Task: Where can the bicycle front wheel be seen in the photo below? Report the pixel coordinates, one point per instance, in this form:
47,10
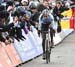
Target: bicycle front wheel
47,52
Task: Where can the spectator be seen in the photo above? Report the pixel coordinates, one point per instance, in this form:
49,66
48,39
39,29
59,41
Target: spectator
24,4
4,28
43,5
34,14
16,31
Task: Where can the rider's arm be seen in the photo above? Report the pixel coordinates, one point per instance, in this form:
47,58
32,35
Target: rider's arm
40,21
52,23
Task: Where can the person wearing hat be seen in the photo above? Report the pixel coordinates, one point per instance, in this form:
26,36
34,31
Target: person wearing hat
34,14
27,20
24,4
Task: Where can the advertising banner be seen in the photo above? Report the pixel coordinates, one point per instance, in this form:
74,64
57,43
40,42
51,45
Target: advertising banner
12,54
4,58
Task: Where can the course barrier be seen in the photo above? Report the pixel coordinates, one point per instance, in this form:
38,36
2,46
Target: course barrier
16,53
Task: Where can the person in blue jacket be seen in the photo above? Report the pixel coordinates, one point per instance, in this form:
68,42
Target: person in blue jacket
46,21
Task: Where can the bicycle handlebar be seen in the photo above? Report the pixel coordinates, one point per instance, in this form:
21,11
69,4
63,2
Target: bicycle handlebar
46,31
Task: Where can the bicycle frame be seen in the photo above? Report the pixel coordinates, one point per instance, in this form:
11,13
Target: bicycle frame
48,46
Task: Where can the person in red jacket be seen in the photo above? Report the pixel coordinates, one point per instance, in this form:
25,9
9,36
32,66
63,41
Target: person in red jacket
72,20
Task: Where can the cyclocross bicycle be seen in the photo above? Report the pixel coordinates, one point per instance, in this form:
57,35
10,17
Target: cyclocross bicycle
48,46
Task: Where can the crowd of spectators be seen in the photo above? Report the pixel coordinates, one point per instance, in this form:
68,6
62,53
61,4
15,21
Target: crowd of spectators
22,14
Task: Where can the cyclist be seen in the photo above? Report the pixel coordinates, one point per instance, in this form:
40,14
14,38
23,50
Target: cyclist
46,21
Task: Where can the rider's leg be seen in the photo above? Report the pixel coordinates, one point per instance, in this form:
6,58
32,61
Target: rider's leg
43,43
43,46
51,35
